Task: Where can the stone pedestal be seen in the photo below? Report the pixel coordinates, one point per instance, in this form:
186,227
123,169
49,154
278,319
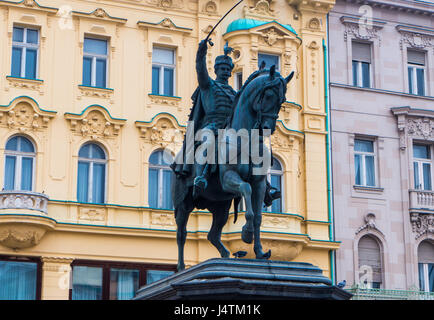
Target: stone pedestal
244,279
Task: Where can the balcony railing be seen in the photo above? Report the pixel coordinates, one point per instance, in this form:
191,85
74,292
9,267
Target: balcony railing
383,294
421,199
27,200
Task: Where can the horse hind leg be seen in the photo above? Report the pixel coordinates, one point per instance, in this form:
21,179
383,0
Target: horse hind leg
181,217
220,217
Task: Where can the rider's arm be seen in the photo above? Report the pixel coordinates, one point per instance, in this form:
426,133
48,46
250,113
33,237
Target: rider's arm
202,72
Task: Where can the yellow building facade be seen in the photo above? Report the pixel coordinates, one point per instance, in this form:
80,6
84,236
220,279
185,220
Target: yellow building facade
90,90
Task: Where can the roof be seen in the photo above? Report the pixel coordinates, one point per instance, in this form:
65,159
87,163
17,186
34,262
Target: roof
246,24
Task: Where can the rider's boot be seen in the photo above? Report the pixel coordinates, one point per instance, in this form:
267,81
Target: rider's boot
199,185
271,194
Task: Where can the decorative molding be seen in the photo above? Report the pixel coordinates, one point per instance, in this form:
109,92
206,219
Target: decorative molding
261,10
162,219
164,24
93,92
99,14
318,6
92,214
369,224
23,83
410,7
314,24
414,123
276,222
163,131
20,231
15,239
416,37
30,4
352,29
210,8
423,224
157,100
166,4
95,122
271,36
24,114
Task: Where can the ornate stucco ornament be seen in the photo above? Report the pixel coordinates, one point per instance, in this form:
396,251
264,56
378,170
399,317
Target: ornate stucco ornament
359,29
369,224
423,224
95,122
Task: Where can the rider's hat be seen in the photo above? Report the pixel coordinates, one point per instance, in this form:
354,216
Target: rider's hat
225,59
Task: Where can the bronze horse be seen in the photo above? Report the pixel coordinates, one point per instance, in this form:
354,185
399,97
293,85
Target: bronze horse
257,106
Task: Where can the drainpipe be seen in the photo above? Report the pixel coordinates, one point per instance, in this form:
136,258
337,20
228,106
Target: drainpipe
329,160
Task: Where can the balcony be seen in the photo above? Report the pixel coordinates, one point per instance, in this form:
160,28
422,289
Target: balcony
422,212
422,201
23,218
383,294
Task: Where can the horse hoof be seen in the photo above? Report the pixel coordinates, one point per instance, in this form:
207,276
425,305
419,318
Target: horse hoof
247,236
180,267
264,256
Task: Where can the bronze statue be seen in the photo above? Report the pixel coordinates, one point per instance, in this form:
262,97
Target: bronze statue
217,106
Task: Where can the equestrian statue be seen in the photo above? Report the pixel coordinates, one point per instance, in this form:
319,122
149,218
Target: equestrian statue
215,186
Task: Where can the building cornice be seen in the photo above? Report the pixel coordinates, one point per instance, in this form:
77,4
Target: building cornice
99,14
413,7
30,4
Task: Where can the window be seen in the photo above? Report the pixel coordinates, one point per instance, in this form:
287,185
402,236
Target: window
25,48
19,279
19,163
361,64
422,167
416,72
163,72
269,60
160,181
364,162
370,256
92,280
95,63
426,266
91,174
238,83
275,178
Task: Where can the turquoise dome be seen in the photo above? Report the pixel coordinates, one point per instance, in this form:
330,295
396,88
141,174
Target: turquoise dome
246,24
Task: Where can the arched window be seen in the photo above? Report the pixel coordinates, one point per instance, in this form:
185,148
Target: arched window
275,178
425,254
160,182
19,163
370,260
91,174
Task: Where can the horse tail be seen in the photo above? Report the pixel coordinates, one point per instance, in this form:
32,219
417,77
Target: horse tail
236,204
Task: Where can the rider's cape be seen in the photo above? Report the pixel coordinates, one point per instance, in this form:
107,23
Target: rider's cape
183,169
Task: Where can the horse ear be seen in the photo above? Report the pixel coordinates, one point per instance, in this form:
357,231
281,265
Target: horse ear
262,66
288,79
272,71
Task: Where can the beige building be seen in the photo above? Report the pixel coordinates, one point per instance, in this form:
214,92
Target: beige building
92,91
382,111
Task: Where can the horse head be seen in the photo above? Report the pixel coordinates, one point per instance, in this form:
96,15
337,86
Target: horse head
265,91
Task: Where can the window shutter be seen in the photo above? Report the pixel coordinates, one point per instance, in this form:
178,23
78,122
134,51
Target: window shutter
370,255
426,252
416,57
362,52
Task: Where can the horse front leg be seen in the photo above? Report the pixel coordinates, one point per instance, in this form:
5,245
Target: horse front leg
232,182
258,202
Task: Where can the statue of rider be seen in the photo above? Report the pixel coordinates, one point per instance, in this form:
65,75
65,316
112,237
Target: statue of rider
213,105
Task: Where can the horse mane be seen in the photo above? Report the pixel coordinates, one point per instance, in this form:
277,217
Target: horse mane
252,77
